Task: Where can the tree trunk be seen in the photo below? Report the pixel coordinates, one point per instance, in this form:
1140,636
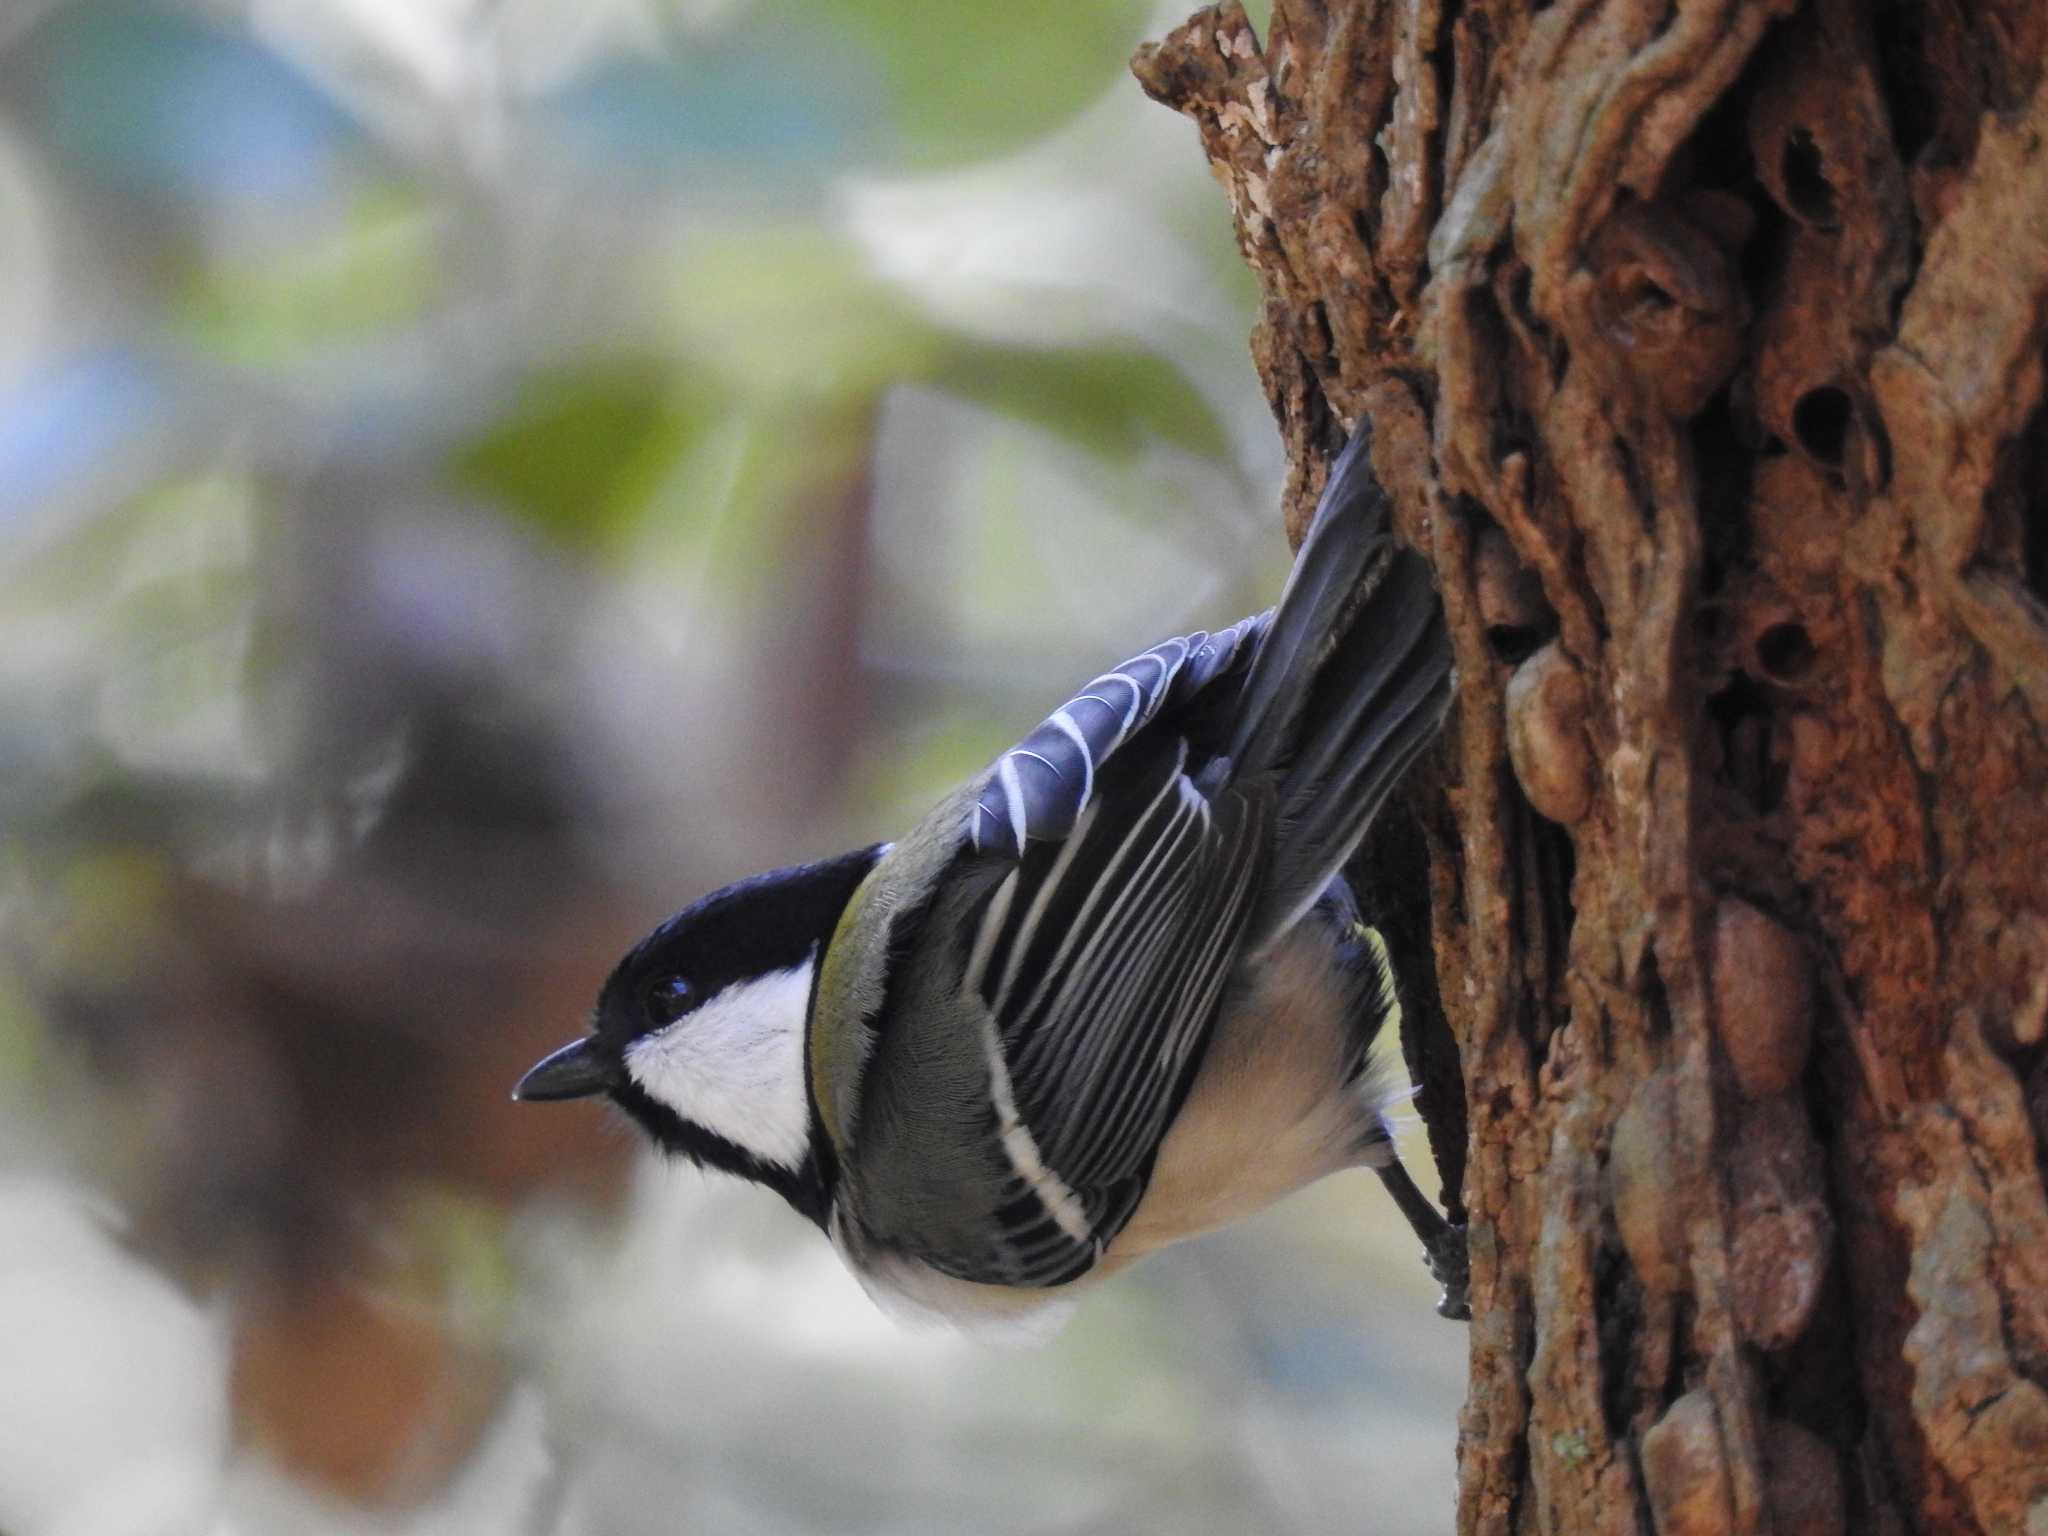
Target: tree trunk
1705,347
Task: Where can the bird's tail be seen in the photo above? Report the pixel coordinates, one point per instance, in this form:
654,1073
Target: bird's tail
1350,683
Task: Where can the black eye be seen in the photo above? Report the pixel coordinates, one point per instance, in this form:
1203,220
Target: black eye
667,999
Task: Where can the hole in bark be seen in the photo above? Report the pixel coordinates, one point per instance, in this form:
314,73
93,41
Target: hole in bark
1520,286
1538,1027
1763,258
1318,343
1815,1381
1656,1000
1785,652
1806,185
1618,1306
1740,712
1513,643
1772,785
2037,1109
1901,38
1875,470
1482,313
1717,155
2036,554
2016,534
1773,778
1644,298
1709,626
1638,487
1821,420
1720,434
1739,699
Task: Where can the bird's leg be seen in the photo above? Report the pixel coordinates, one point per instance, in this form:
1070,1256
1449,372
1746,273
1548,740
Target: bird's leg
1443,1245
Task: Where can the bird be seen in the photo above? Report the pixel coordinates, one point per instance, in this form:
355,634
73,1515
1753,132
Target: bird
1111,993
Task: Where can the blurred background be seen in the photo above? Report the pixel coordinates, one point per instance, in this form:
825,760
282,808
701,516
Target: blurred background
474,475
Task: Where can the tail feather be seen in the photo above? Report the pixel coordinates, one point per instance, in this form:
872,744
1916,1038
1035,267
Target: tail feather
1347,535
1386,640
1325,816
1351,683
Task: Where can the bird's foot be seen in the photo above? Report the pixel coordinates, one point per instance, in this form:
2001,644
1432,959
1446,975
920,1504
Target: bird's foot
1450,1262
1443,1243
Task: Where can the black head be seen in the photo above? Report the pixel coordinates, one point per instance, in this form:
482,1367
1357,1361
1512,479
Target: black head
698,1032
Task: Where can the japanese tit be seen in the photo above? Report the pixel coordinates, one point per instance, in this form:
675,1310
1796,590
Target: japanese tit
1111,993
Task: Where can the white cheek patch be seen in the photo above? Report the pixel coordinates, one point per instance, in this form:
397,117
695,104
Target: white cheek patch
735,1066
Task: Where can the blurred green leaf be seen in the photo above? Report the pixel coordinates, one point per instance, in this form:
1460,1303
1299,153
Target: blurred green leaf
373,272
904,774
454,1261
112,900
790,314
1108,399
584,450
746,495
971,81
800,341
24,1038
793,316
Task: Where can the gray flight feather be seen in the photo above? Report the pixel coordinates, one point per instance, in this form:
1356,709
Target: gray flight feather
1328,584
1038,789
1377,703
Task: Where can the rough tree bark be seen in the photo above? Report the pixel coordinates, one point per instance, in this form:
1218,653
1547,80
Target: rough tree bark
1705,342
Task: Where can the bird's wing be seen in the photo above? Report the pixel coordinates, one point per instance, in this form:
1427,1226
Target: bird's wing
1101,956
1039,788
1115,892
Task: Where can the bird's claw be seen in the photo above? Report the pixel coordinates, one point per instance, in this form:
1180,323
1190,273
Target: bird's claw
1443,1242
1450,1264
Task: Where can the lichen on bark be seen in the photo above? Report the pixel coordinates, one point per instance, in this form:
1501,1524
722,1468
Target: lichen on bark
1704,341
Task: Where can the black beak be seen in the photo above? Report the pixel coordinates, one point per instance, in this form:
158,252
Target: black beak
574,1072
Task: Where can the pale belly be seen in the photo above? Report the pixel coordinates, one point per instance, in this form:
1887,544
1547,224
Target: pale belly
1269,1112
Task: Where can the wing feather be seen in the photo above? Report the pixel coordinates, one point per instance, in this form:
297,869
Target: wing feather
1101,962
1183,973
1101,952
1041,786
